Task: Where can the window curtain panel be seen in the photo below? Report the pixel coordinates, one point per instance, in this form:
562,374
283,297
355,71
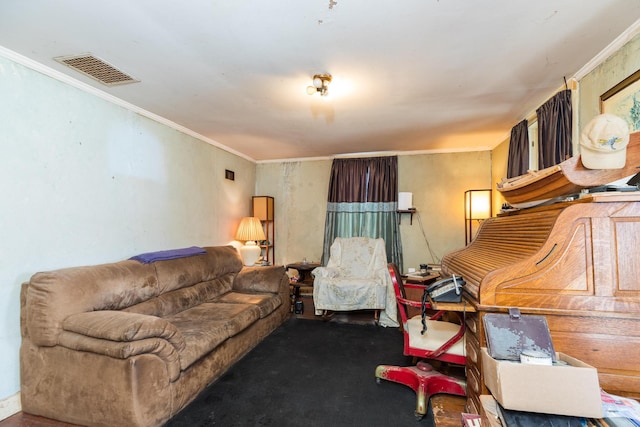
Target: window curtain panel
554,130
518,162
363,202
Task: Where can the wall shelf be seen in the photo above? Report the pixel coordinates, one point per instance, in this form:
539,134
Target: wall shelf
409,211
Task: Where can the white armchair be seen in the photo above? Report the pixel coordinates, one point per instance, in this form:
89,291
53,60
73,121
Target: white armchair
356,278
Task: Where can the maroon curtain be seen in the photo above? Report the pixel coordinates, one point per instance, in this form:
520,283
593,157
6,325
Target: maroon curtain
372,179
348,181
518,162
554,130
383,179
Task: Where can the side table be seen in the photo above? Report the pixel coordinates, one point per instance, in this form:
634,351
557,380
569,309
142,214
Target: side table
422,280
304,278
419,285
303,269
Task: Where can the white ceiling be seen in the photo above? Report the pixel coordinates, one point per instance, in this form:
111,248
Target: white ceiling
409,75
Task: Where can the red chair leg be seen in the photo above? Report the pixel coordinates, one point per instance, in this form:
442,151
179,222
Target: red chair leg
424,380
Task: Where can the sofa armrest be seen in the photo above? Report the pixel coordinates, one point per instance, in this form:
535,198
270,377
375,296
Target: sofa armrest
123,327
261,279
125,349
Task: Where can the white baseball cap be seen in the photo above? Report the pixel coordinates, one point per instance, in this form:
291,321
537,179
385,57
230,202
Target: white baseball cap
603,142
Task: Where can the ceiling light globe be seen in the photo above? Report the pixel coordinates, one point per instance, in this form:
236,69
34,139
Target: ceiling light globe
317,82
311,90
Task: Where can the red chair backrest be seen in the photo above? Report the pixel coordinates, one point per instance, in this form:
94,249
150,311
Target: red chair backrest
398,286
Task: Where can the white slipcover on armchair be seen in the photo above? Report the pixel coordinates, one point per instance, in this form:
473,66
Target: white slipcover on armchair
356,277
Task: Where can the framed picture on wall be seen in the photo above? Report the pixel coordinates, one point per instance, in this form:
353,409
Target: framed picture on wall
623,100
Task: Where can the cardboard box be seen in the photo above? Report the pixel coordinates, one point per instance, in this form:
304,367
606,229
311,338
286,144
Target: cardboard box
562,390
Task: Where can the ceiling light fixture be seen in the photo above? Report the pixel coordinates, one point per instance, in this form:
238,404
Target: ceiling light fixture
320,84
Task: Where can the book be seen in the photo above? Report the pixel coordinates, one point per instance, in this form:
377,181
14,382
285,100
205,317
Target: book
418,274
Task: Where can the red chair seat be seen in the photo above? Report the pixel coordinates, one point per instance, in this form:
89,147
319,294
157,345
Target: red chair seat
436,335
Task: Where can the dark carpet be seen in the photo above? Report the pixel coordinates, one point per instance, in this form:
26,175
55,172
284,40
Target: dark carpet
310,373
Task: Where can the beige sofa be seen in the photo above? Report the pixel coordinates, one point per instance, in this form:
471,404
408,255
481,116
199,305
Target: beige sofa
131,344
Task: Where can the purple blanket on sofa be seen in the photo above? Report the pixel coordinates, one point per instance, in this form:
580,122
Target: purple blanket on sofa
150,257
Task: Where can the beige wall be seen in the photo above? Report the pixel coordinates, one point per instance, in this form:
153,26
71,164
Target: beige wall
499,157
299,190
616,68
437,181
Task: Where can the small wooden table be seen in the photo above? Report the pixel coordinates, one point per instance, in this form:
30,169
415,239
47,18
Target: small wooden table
422,280
463,306
303,268
415,287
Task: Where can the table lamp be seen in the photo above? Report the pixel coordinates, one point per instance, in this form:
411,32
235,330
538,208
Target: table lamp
250,230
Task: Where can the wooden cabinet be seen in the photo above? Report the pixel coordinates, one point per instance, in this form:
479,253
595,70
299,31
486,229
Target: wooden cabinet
262,208
574,263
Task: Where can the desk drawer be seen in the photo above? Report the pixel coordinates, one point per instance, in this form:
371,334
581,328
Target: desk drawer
471,320
472,347
474,389
474,382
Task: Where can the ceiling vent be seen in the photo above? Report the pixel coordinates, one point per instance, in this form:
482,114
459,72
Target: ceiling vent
97,69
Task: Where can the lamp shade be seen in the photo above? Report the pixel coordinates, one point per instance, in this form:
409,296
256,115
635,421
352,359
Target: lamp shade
262,207
477,207
250,228
478,204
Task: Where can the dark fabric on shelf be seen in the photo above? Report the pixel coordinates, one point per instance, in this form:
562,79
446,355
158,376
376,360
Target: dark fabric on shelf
518,160
310,373
555,122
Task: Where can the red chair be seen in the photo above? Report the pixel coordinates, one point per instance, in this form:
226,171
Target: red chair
442,341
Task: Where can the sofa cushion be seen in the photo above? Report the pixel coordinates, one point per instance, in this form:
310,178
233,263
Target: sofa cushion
267,303
181,299
122,326
208,325
182,272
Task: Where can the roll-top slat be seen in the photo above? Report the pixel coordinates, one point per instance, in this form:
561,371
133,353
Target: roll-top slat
500,242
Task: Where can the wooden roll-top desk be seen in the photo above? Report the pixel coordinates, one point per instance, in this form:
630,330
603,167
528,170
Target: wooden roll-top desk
578,264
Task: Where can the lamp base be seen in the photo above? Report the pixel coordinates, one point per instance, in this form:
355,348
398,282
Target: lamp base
250,253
